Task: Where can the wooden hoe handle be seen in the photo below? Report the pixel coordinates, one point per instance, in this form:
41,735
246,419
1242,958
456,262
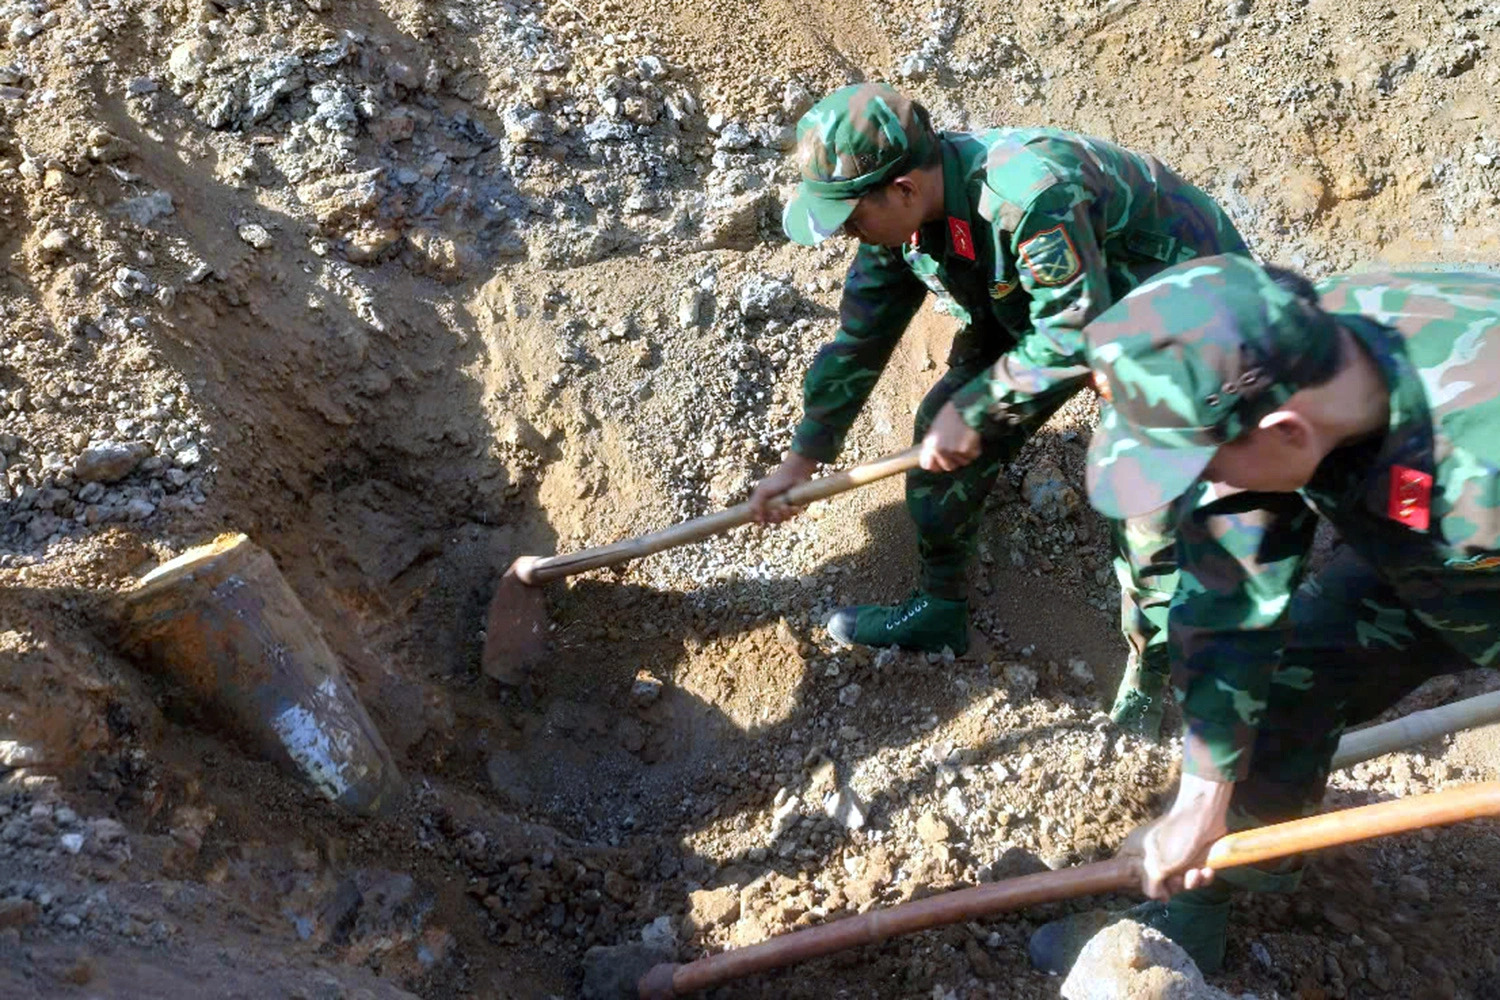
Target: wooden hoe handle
1117,874
1350,825
535,571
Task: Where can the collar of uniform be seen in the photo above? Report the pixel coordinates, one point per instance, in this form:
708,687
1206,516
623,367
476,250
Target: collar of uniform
956,201
935,238
1408,438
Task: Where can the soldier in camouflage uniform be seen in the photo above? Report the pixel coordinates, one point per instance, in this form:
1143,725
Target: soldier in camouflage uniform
1025,234
1248,404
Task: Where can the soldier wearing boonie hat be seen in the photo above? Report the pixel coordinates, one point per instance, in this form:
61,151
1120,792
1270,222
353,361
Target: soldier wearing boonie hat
1025,235
1246,404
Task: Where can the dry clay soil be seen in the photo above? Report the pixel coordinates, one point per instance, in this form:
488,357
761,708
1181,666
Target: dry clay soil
406,290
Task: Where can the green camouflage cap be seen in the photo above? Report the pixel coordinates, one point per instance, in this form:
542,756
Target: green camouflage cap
851,142
1193,358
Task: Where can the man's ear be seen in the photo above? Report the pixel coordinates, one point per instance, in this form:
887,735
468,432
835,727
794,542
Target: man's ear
907,185
1287,426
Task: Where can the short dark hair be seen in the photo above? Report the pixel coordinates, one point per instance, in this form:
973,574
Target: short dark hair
1299,285
1293,281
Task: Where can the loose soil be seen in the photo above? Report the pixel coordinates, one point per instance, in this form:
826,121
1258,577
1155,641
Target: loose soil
404,291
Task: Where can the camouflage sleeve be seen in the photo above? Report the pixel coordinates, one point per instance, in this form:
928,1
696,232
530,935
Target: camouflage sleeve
1061,268
1241,558
881,295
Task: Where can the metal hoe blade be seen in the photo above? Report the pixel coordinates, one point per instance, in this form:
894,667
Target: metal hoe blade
515,630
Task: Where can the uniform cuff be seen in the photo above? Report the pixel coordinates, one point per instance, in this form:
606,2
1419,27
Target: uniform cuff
1216,752
817,441
973,401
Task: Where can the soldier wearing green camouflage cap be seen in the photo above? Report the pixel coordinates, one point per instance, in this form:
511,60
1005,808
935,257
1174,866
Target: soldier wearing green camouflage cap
1249,404
1025,235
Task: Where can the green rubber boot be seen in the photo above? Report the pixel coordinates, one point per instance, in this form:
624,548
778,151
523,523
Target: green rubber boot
1198,921
1140,701
922,622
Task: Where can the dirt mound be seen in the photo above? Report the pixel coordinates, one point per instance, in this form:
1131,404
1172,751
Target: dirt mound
406,290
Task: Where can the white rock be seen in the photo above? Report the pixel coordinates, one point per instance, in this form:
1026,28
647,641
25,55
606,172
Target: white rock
659,933
1020,677
109,461
71,842
139,509
734,137
147,208
1127,961
646,689
128,283
785,817
845,808
691,308
189,60
763,297
256,235
55,243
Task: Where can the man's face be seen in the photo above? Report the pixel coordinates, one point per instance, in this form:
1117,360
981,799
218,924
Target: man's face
1279,458
887,217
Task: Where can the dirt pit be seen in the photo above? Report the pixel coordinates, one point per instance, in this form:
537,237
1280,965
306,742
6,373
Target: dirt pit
404,291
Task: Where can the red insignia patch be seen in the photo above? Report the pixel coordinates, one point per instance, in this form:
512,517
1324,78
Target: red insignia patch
963,240
1410,500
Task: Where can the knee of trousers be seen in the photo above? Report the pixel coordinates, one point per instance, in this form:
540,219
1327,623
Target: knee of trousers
943,513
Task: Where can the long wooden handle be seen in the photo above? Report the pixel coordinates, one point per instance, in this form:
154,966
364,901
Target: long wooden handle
1418,727
535,571
877,925
1119,873
1349,825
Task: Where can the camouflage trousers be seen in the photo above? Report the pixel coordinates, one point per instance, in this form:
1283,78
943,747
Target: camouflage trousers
947,507
1357,645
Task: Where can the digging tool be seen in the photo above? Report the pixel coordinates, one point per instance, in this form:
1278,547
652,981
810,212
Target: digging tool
1118,874
1418,727
516,627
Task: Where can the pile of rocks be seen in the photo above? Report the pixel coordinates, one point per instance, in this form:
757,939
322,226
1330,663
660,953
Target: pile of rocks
42,842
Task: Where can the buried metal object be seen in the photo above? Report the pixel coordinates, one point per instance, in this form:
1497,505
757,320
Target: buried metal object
222,621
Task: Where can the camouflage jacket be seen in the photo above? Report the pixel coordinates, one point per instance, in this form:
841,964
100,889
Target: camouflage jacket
1044,230
1420,504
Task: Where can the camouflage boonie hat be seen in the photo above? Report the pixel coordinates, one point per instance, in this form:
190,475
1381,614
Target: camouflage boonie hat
1192,359
848,144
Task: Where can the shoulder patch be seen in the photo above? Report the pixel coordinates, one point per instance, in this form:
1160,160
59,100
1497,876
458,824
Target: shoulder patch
1051,257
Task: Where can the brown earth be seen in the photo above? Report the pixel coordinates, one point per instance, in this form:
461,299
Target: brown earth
400,332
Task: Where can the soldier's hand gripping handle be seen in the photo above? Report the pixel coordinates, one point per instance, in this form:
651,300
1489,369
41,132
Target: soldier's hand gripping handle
793,471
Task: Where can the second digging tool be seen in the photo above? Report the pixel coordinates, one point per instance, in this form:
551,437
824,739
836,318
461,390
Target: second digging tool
516,627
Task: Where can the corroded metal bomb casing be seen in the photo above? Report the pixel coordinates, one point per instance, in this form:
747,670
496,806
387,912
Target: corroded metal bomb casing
222,621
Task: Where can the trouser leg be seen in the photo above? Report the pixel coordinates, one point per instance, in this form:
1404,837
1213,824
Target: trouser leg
947,506
1355,648
1146,568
